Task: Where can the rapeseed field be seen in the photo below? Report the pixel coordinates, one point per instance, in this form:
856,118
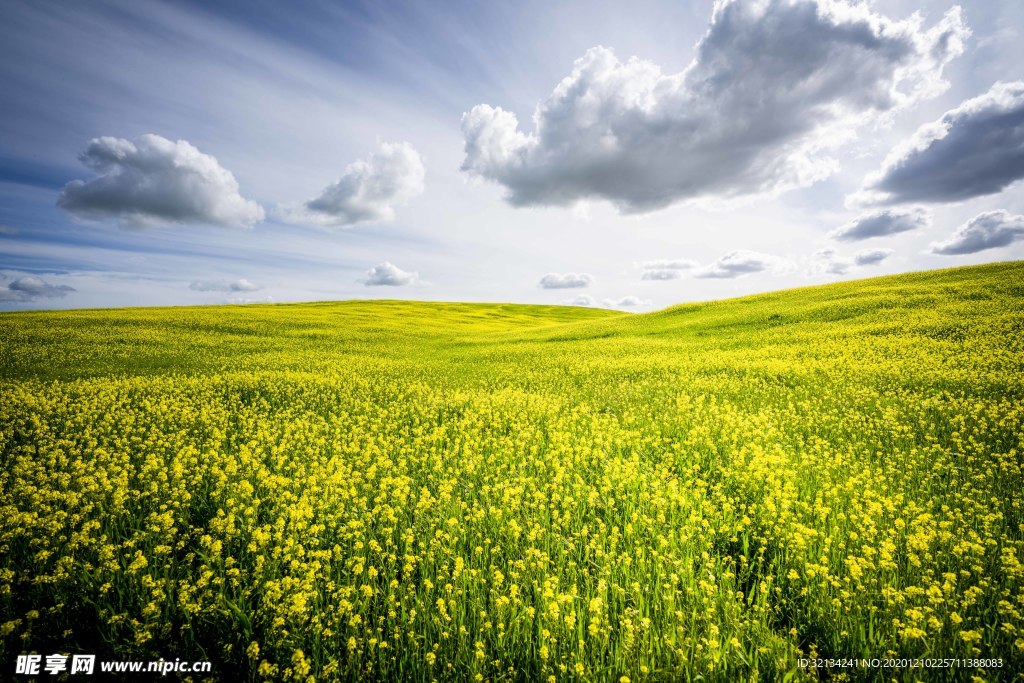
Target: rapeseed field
384,490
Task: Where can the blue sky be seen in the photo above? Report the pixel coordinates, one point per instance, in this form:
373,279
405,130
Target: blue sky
197,153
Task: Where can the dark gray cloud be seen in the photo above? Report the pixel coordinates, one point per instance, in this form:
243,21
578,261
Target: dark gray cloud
882,223
153,181
774,85
31,288
388,274
738,263
976,149
871,257
369,189
240,285
989,230
565,280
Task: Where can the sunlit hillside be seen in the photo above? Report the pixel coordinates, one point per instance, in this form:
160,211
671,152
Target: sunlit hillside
384,490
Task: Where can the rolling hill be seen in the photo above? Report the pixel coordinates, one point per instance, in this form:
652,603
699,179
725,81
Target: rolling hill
416,491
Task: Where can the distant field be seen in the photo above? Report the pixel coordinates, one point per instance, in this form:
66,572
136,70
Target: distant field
383,490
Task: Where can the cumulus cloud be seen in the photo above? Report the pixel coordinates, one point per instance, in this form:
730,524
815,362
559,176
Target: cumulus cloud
774,86
153,181
240,285
565,281
882,223
582,300
368,190
871,257
976,149
989,230
627,302
31,288
388,274
738,263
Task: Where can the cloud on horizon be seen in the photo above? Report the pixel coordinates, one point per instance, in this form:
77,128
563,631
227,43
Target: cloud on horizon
774,86
152,181
581,300
239,285
627,302
30,288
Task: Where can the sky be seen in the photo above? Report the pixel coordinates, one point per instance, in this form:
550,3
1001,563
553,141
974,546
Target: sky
623,155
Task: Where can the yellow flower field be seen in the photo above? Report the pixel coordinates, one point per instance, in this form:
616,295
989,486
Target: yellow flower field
389,490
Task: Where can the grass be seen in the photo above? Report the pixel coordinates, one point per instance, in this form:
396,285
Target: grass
404,490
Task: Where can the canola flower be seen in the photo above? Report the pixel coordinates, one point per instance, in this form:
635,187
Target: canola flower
412,491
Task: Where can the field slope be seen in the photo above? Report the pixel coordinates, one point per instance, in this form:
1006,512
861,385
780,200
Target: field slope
383,490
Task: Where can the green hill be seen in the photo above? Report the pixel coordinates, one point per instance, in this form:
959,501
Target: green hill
417,491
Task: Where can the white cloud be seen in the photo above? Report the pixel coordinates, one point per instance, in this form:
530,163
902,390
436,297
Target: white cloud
627,302
666,269
388,274
582,300
774,86
871,257
8,230
976,149
882,223
30,288
368,190
989,230
828,262
738,263
661,274
153,181
565,281
240,285
670,264
838,267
